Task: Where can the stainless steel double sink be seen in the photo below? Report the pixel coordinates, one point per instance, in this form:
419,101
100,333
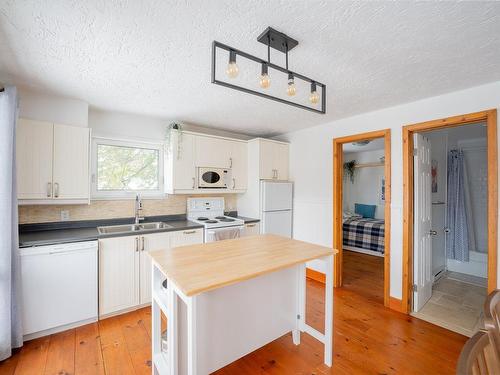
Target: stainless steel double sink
126,228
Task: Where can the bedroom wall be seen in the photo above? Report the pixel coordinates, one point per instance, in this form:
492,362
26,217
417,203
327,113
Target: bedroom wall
367,182
311,163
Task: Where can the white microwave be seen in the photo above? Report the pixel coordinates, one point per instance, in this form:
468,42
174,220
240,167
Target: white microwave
215,178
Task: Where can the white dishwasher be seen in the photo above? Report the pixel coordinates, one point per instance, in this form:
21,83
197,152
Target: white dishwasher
59,287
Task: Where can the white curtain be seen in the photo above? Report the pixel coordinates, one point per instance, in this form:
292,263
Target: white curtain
10,272
457,240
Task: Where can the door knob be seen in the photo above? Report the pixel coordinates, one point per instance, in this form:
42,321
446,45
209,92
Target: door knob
433,232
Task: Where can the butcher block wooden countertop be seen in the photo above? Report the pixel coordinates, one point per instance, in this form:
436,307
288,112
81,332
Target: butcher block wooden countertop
200,268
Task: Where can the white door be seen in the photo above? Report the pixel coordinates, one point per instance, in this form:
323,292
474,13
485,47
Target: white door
239,165
149,242
118,274
276,196
71,162
213,152
422,265
184,170
34,145
277,222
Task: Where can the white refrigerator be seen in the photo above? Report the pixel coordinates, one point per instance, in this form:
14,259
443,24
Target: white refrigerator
276,203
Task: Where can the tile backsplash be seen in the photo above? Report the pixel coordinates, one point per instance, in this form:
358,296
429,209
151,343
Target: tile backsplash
111,209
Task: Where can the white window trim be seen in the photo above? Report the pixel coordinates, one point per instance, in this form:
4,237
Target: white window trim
116,194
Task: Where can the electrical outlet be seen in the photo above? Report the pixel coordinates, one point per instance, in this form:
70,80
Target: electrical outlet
64,215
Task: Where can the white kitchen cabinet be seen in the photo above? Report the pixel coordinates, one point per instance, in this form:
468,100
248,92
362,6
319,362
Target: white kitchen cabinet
34,159
213,152
273,159
71,162
251,229
52,163
118,274
186,237
125,267
239,165
149,242
180,169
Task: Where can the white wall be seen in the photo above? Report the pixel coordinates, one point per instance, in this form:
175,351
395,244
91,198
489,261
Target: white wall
51,108
311,163
367,182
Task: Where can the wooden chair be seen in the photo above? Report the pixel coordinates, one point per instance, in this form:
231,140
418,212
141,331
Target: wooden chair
478,357
492,320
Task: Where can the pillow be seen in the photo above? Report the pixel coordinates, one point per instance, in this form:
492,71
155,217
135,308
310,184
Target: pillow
365,210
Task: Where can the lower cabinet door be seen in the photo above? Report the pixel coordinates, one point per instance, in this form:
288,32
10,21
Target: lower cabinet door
149,242
118,274
251,229
186,237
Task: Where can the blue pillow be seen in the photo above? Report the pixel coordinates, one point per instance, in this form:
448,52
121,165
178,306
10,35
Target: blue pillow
365,210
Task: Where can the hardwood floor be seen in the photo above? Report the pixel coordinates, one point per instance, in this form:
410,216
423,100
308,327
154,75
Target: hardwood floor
369,339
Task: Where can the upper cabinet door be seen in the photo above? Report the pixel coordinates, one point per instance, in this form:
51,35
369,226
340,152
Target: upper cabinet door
239,165
183,154
213,152
280,161
267,163
71,162
34,159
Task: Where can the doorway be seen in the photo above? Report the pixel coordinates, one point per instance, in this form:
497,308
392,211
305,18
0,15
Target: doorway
342,207
447,252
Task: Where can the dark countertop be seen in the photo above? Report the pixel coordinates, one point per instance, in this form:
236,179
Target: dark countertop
78,231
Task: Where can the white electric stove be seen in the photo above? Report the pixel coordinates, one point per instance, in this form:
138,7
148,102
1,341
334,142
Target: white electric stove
210,213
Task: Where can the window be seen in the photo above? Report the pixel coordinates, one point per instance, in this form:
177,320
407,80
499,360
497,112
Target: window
123,168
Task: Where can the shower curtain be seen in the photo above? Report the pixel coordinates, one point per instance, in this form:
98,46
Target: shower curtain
10,272
457,239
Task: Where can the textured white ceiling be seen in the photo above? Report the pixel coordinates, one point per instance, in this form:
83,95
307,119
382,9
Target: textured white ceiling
153,57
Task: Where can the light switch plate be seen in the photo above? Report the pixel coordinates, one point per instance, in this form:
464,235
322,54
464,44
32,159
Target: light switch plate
64,215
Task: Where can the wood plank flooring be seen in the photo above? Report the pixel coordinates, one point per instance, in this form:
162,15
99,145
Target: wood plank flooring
369,339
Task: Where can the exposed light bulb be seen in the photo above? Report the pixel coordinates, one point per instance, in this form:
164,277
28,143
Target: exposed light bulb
232,69
291,90
314,97
264,81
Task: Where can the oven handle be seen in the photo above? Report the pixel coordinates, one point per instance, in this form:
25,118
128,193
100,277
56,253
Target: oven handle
212,231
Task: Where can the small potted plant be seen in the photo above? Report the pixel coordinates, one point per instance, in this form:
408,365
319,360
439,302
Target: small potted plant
349,169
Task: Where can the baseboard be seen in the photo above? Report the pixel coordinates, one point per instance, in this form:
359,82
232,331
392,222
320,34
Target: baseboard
396,304
315,275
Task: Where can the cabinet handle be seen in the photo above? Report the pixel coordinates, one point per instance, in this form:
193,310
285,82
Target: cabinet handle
49,189
234,183
250,225
136,244
189,231
230,162
56,190
142,244
194,182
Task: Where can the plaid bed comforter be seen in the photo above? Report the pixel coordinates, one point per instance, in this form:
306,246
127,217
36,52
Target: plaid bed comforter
364,233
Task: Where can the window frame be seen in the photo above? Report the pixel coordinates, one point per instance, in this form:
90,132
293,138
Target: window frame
125,194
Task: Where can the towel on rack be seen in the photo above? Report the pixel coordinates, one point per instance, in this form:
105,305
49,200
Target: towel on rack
227,234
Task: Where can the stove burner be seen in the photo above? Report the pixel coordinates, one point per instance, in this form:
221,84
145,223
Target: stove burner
226,220
220,217
202,218
211,221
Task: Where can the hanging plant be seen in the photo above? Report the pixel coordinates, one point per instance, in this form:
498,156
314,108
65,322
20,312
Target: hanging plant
173,128
349,169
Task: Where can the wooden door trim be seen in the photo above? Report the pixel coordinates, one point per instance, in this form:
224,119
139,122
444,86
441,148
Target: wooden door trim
488,116
338,173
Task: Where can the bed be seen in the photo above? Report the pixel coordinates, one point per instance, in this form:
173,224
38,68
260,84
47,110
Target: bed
364,235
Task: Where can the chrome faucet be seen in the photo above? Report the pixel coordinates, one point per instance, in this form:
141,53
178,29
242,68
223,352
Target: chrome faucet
138,209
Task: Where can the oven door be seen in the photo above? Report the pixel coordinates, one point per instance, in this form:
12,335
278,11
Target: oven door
212,178
226,233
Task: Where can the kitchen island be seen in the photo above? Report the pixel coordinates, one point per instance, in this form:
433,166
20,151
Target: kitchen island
225,299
